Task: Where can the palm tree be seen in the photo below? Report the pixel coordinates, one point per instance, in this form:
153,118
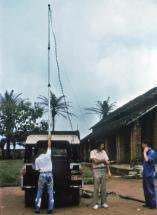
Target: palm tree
8,105
102,108
58,106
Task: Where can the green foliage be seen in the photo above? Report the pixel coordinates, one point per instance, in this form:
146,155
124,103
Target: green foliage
18,117
102,108
88,180
26,117
87,174
86,171
58,106
10,172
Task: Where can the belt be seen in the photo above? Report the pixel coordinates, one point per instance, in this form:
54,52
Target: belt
99,167
46,172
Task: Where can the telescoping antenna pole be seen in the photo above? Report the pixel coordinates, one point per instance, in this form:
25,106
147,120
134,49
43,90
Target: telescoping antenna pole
49,85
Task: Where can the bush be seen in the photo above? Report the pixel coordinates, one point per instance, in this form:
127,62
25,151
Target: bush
87,174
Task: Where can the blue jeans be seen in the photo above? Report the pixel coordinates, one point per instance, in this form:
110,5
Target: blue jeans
149,191
45,178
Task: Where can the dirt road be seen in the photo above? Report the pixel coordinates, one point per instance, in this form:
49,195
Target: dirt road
12,201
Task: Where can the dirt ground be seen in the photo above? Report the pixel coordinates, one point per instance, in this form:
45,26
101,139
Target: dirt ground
12,201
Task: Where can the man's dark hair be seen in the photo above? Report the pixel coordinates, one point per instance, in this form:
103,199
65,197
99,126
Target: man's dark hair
147,141
98,143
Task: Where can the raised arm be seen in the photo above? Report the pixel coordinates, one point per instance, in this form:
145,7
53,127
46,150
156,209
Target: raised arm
145,153
49,141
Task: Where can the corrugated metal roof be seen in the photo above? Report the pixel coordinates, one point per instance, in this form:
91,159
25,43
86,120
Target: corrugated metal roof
130,111
125,115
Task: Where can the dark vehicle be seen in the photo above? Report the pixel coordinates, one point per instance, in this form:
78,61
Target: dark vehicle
66,168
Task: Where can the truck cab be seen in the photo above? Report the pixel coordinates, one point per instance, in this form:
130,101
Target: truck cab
66,169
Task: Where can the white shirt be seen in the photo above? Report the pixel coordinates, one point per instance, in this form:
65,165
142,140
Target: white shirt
99,155
43,163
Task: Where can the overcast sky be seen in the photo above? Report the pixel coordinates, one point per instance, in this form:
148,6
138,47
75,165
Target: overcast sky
105,48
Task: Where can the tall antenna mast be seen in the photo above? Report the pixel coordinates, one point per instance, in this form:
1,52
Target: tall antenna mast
49,85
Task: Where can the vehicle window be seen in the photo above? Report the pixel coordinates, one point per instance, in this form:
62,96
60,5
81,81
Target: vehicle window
75,153
59,152
29,153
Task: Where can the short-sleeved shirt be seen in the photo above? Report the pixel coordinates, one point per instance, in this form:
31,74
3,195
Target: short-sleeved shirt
149,166
99,155
43,163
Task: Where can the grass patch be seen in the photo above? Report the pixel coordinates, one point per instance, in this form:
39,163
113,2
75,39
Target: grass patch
10,172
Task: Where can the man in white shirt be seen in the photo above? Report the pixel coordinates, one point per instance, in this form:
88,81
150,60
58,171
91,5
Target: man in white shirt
43,164
100,162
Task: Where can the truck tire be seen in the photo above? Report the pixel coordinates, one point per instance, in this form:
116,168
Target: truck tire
29,197
76,197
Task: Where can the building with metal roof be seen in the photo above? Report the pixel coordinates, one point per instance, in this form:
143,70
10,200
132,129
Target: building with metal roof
124,129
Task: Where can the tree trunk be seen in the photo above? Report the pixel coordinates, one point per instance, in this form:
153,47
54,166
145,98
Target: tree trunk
3,153
8,148
14,150
53,123
3,142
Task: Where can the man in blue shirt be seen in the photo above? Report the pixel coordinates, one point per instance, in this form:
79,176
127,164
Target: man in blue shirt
149,175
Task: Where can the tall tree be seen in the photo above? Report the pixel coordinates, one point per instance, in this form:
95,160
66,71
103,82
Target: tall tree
8,104
58,107
17,117
102,108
